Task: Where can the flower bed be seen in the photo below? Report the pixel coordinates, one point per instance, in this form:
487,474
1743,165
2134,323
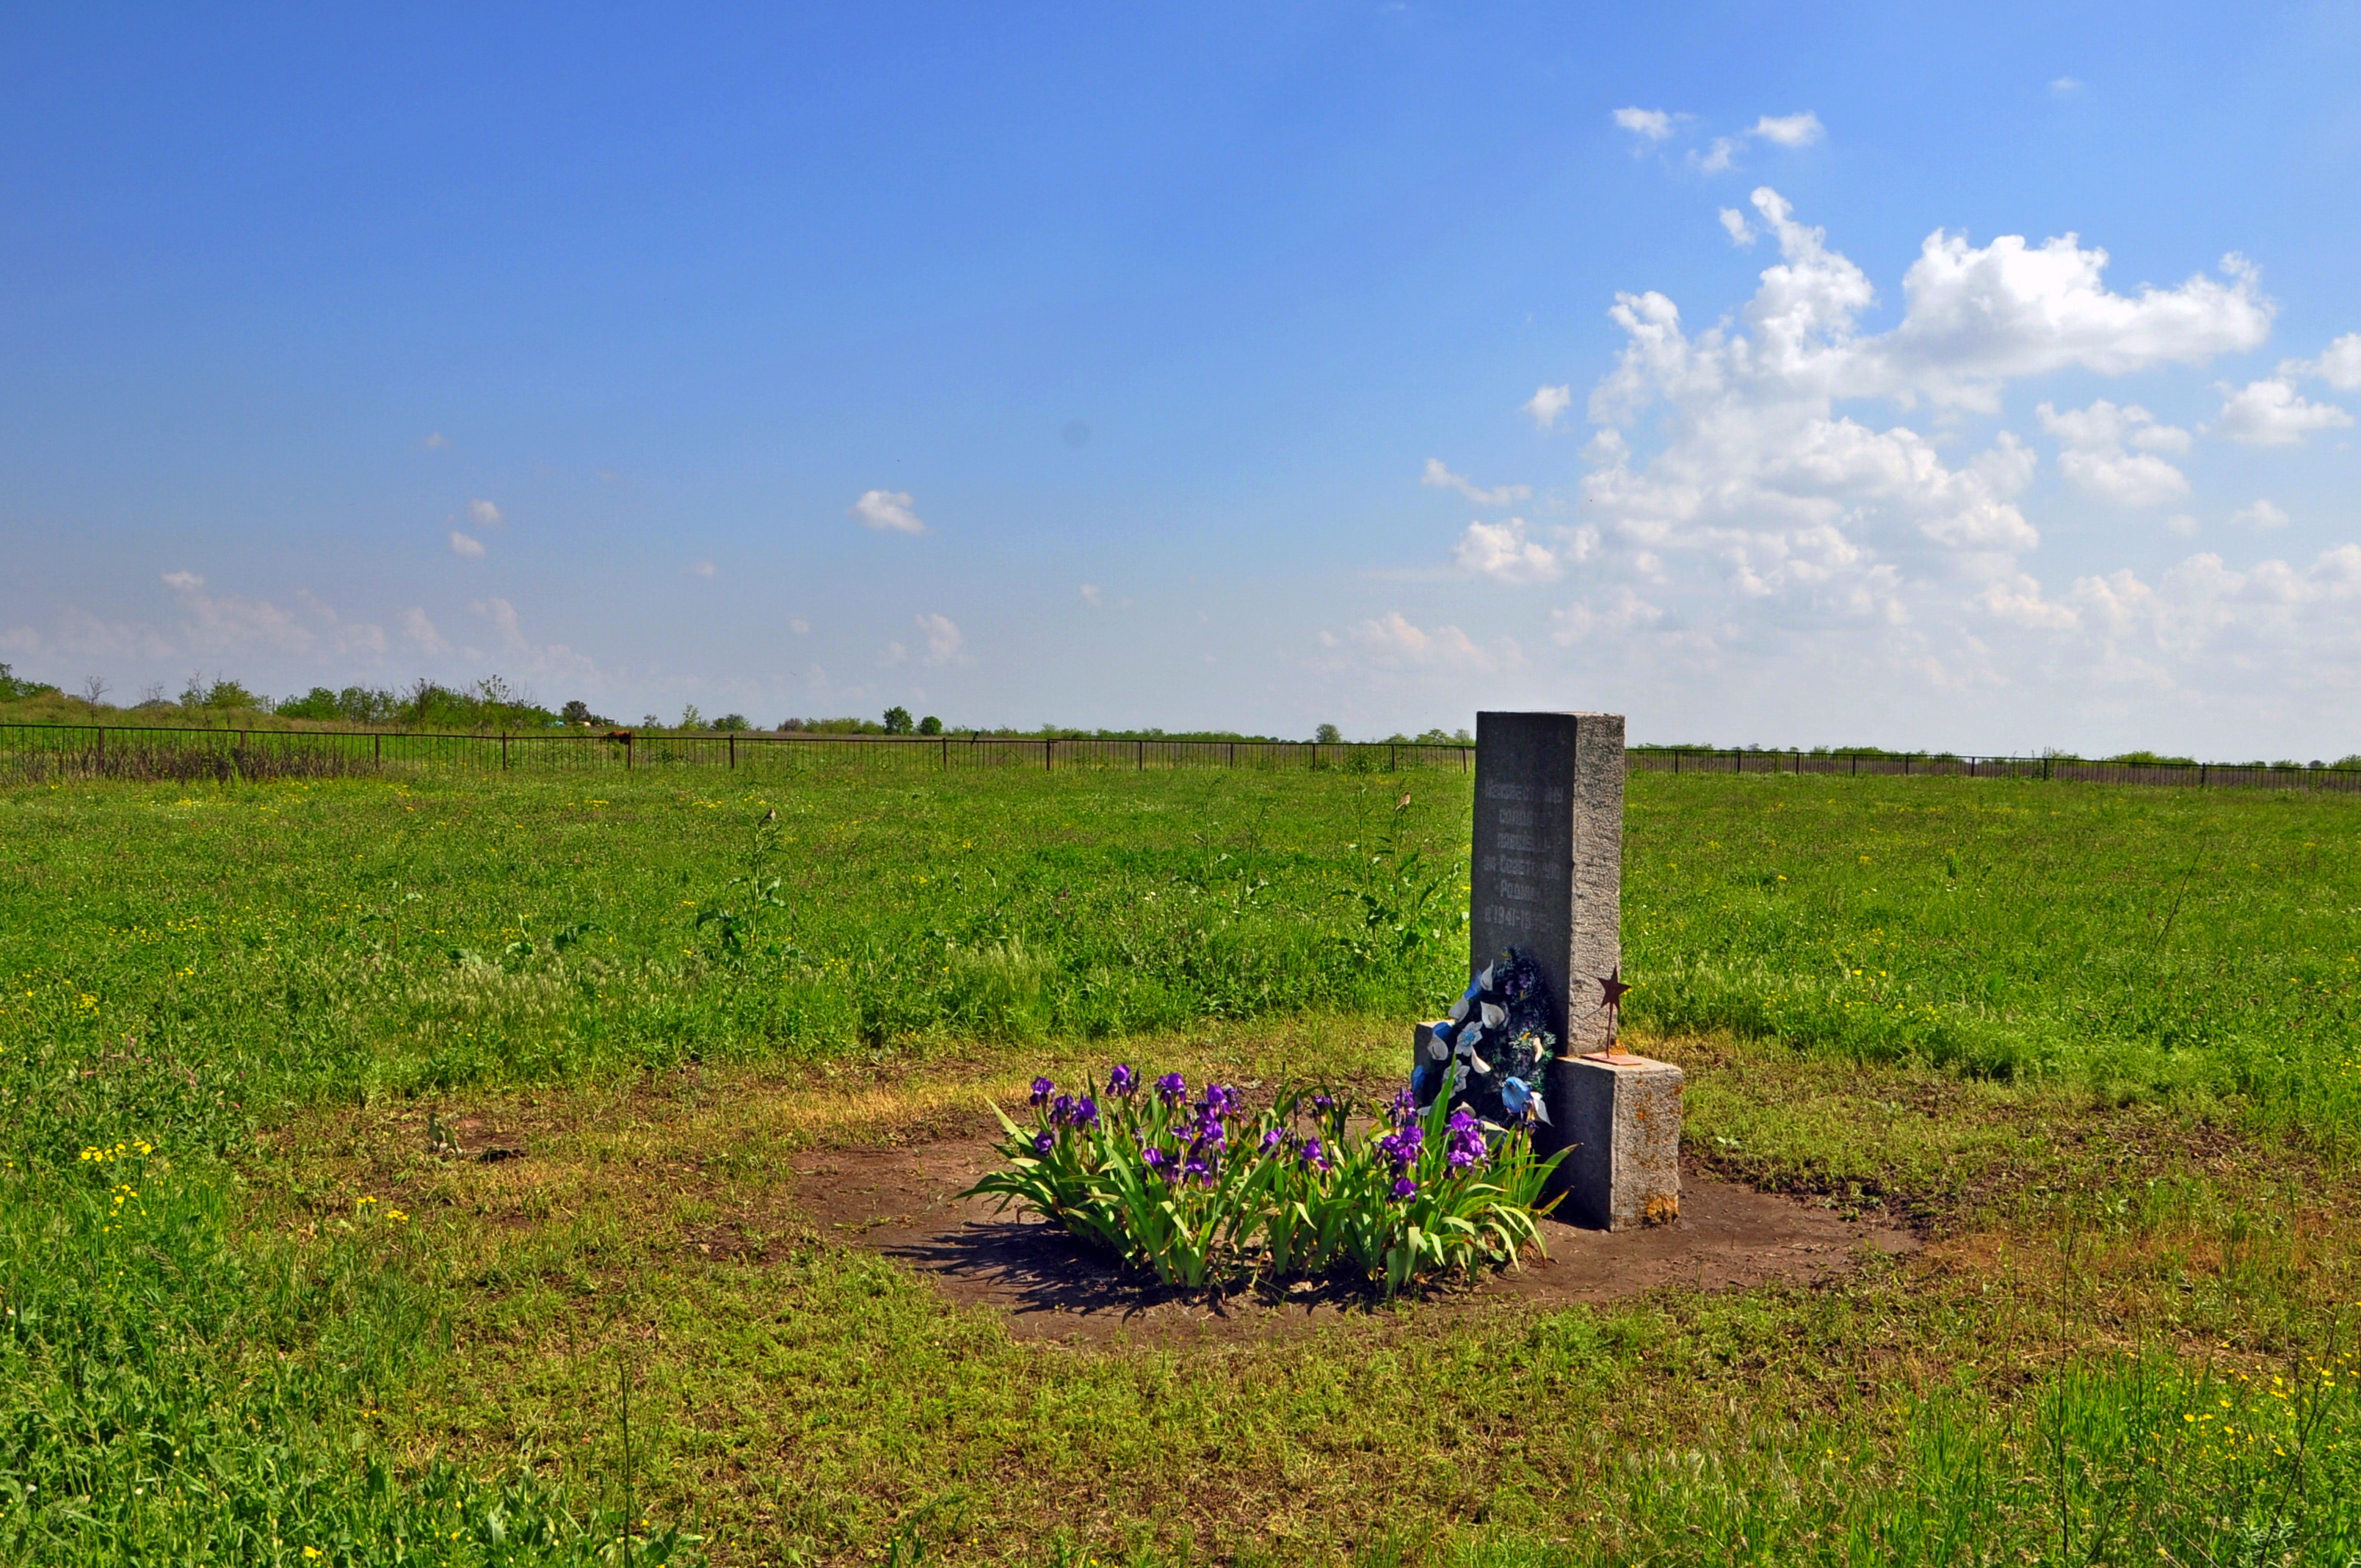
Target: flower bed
1207,1193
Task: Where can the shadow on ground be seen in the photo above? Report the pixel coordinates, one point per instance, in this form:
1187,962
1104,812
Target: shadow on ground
905,1202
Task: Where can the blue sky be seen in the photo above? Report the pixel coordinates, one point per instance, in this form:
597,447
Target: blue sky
1251,367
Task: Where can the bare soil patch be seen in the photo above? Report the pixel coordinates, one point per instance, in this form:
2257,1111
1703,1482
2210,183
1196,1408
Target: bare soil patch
905,1202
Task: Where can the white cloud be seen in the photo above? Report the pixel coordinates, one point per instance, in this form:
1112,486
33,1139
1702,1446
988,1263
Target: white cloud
894,653
2017,600
1501,551
1790,131
799,626
2339,365
2262,514
699,569
421,633
183,582
2065,86
1620,612
466,548
1733,223
484,514
1976,317
2183,523
1547,403
943,639
1392,641
1091,595
2095,460
504,617
1649,125
1439,477
2271,413
887,510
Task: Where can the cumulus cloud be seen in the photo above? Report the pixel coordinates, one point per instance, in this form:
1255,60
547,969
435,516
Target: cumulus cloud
1648,125
183,582
1733,223
465,547
484,514
1439,477
1547,403
2271,413
1392,641
2095,460
1780,130
1501,551
1618,611
2262,514
420,632
1790,131
943,639
2339,365
889,512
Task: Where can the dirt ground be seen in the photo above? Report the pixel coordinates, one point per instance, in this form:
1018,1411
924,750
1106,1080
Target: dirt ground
903,1202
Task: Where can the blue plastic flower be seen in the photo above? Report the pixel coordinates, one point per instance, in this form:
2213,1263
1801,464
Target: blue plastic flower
1516,1095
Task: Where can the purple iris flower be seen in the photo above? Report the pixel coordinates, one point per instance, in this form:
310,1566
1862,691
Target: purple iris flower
1086,1113
1221,1100
1272,1139
1196,1169
1044,1141
1404,1186
1401,1145
1042,1089
1122,1082
1405,1105
1158,1161
1314,1155
1061,1109
1323,1103
1171,1088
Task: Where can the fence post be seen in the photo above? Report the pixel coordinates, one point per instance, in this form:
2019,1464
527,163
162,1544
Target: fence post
102,742
1905,764
1140,753
2201,775
733,748
504,751
1799,763
1044,754
627,750
945,766
1234,756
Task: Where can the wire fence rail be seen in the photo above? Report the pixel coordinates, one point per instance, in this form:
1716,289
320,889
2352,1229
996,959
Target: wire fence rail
159,751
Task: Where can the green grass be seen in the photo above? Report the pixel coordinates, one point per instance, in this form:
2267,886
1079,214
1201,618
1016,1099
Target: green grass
2101,1041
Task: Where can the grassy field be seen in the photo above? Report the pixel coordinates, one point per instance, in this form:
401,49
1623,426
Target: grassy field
2099,1044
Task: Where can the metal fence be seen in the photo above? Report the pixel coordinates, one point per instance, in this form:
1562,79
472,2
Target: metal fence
158,751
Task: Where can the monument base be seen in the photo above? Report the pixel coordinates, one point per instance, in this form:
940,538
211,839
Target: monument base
1620,1120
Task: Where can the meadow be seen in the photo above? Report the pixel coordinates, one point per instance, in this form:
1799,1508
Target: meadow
2098,1044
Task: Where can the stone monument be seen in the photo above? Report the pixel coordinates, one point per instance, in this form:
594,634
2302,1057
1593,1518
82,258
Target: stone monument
1548,879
